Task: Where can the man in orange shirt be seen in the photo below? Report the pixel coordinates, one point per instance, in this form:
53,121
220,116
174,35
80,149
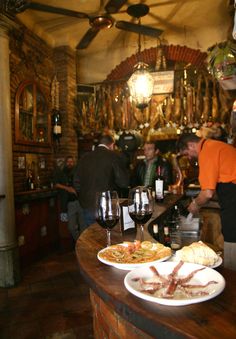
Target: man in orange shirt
217,174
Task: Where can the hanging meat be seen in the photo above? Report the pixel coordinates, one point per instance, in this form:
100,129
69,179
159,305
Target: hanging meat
156,114
215,103
189,104
198,99
116,103
169,108
206,101
178,103
225,109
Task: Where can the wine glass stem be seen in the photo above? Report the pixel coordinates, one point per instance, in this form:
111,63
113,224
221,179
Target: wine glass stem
108,237
141,233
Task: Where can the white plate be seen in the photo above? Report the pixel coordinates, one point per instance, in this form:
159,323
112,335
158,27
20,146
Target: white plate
200,278
129,267
217,264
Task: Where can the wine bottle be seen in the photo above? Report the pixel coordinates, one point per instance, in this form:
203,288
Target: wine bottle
155,230
56,121
176,215
126,223
29,181
166,236
159,186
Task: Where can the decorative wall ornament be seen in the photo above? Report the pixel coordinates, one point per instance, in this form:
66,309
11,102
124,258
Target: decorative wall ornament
222,63
21,162
55,87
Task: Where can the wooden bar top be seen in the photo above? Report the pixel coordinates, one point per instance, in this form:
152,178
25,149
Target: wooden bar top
36,194
215,318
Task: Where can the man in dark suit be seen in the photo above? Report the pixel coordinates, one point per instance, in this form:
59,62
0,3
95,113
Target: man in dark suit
97,171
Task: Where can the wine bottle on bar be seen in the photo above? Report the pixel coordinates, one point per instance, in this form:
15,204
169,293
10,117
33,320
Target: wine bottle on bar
29,181
159,186
155,230
166,236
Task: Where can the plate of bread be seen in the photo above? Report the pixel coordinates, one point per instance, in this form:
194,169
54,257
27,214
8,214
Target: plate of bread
198,253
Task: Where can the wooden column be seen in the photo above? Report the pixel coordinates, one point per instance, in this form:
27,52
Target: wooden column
9,263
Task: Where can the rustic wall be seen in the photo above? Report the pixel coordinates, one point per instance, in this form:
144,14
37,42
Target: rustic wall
32,59
65,67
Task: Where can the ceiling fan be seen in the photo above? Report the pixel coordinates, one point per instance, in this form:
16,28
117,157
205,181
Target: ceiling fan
101,20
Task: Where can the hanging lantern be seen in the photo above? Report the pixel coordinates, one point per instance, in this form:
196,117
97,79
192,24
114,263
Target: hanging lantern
141,85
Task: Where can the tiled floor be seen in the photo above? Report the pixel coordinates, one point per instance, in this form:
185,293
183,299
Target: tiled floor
51,302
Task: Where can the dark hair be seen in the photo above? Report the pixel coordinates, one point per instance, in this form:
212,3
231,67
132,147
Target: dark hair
106,139
152,143
184,139
69,157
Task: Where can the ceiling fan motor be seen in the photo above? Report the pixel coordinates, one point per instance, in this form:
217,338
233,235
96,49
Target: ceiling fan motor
101,22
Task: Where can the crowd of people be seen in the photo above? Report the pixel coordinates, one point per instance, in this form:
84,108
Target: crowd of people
100,170
104,169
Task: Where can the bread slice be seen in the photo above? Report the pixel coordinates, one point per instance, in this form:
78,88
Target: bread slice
198,253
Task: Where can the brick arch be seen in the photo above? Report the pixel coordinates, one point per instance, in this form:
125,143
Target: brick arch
171,52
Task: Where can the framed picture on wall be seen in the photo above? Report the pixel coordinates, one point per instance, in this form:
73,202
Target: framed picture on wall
42,163
21,162
163,82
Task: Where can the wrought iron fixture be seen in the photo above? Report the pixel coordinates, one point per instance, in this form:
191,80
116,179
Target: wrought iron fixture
141,81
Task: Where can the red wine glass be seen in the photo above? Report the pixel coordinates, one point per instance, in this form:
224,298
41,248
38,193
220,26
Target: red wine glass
140,206
107,211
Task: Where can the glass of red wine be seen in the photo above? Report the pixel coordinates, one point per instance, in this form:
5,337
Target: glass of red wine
140,206
107,211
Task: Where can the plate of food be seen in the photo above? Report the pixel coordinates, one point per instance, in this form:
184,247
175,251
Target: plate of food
131,255
175,284
198,253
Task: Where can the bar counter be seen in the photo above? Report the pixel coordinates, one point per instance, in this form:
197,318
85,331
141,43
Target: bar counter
119,314
36,194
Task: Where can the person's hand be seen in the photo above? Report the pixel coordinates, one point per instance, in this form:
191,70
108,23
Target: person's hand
71,189
193,207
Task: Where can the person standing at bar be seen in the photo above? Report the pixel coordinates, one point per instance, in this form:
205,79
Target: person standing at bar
71,210
97,171
217,174
146,171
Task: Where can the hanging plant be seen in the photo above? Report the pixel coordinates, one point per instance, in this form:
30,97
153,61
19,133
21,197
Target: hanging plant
222,63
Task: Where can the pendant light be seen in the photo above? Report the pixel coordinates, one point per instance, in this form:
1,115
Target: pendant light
141,81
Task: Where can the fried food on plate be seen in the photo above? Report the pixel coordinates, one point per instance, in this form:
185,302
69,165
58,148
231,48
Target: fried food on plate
135,252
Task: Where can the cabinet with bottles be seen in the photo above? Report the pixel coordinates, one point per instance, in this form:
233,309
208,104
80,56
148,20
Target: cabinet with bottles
32,118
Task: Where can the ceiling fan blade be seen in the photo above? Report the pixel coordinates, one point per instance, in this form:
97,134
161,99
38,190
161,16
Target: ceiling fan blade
164,3
57,10
137,28
87,38
113,6
166,23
